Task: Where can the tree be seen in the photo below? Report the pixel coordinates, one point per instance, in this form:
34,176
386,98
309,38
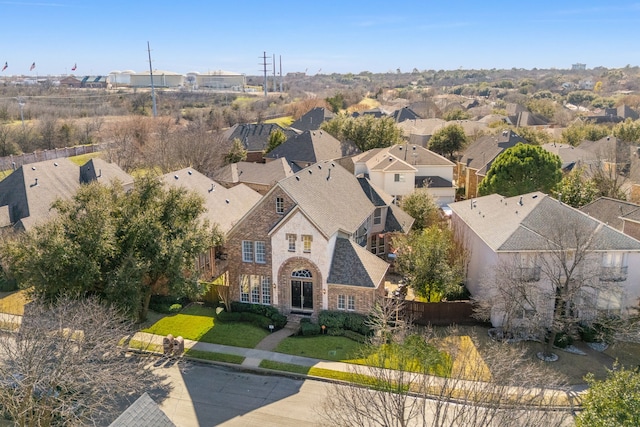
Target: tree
122,246
575,190
628,131
578,132
422,208
448,140
66,365
237,154
556,290
442,380
366,131
522,169
429,262
276,137
614,401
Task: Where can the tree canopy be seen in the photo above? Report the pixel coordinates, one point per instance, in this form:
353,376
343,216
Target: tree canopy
429,261
276,138
522,169
575,190
614,401
237,153
366,131
448,140
121,246
422,208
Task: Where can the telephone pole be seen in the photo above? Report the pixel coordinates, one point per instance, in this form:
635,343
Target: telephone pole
264,70
153,90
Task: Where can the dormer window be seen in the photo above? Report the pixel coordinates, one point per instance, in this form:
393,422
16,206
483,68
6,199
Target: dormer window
279,205
377,216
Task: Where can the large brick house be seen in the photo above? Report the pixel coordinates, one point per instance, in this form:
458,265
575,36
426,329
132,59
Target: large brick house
317,240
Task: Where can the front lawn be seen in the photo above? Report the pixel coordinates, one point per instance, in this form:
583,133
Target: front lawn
13,302
199,323
324,347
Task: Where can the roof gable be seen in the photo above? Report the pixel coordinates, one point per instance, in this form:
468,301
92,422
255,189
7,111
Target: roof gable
353,265
311,147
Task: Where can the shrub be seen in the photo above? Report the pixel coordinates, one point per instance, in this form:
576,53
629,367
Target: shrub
308,329
344,320
275,318
563,340
332,319
355,336
336,332
174,308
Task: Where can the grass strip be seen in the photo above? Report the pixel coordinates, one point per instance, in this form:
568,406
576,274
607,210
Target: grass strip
216,357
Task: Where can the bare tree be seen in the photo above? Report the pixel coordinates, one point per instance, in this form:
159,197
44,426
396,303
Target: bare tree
453,386
557,289
65,365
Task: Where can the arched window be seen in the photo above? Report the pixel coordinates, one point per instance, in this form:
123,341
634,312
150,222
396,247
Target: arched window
306,274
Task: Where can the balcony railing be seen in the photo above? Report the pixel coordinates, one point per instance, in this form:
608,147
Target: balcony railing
613,274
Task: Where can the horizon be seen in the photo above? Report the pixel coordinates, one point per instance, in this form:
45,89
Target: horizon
204,37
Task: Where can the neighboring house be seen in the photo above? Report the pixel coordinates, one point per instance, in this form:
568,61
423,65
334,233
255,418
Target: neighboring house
622,215
419,131
29,191
400,169
614,115
255,137
611,153
312,119
71,81
405,113
144,412
478,158
499,231
570,156
258,176
311,147
316,241
376,112
224,208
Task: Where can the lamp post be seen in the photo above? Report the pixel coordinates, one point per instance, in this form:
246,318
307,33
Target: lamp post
21,105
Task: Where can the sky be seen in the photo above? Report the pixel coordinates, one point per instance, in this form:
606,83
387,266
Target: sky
347,36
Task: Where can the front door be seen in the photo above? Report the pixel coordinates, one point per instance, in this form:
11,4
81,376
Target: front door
301,290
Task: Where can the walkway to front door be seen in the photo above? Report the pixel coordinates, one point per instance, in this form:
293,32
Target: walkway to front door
301,290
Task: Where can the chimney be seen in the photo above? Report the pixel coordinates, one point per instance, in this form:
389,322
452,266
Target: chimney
520,201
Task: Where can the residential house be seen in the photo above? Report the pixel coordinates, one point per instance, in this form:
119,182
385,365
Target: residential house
224,208
571,157
401,168
478,158
614,115
405,113
499,231
622,215
30,190
311,147
316,241
255,137
312,119
258,176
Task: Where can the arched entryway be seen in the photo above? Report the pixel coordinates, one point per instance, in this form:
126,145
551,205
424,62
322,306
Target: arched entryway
301,283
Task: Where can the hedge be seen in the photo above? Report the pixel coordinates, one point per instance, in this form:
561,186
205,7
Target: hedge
336,320
276,319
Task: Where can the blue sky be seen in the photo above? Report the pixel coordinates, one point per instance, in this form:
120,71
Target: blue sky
327,37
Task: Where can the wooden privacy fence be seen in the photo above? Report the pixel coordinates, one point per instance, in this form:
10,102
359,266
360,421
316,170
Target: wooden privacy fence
440,313
14,162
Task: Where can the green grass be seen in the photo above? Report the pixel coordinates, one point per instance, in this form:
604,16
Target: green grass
144,346
84,158
285,122
200,324
323,373
217,357
324,347
13,302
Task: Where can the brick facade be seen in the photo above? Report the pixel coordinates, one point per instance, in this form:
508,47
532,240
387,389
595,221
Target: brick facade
364,297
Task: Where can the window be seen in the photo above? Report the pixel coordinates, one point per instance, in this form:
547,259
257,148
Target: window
351,303
244,288
255,289
266,290
377,216
306,243
614,267
279,205
291,238
247,251
341,302
529,270
377,244
261,252
398,177
204,262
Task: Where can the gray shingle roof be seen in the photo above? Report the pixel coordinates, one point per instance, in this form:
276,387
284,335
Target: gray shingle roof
484,150
254,173
100,170
330,196
144,412
312,119
255,137
506,224
355,266
610,211
225,206
311,147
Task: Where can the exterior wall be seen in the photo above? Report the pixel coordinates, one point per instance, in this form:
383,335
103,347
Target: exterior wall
221,81
254,227
364,297
319,259
402,188
159,80
443,196
445,172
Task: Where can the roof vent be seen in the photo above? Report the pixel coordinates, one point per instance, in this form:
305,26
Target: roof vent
99,173
310,171
176,176
333,165
213,187
36,183
520,201
33,168
226,200
55,164
297,178
190,173
319,166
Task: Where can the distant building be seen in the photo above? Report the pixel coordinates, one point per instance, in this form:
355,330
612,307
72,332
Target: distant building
222,80
578,67
160,79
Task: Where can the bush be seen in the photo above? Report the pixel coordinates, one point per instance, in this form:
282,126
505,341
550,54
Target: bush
308,329
275,318
344,320
355,336
336,332
174,308
563,340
